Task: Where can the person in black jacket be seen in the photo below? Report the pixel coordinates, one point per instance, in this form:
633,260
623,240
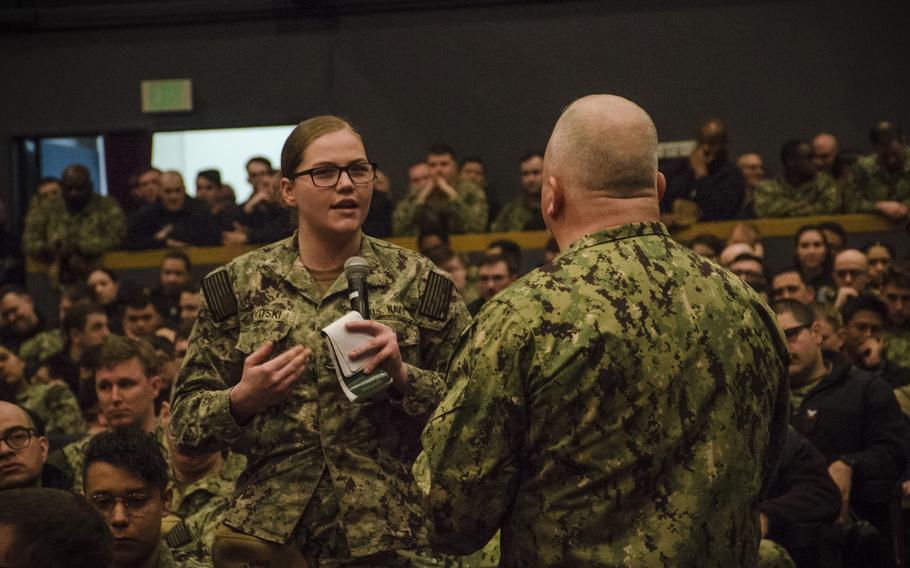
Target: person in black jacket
865,318
175,221
802,492
849,414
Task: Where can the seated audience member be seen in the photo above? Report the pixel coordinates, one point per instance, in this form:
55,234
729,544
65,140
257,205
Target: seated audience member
752,167
127,384
802,190
46,188
863,333
896,293
835,235
851,275
505,247
824,152
107,292
706,179
445,259
730,252
87,395
788,284
175,221
879,256
430,237
523,212
263,217
474,170
125,480
53,403
19,321
208,192
379,219
801,492
84,326
750,269
190,301
141,317
495,274
23,452
830,325
181,341
444,200
168,365
147,189
880,182
174,275
73,230
709,246
48,343
50,528
749,234
849,414
420,178
813,259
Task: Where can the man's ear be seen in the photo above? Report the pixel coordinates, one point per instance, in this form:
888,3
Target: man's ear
155,381
816,331
554,200
661,186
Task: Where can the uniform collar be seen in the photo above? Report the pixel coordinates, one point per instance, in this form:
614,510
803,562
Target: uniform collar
631,230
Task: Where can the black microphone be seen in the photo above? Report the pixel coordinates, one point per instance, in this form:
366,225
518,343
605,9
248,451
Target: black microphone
356,270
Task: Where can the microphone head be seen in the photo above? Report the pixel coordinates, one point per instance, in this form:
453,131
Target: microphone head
356,266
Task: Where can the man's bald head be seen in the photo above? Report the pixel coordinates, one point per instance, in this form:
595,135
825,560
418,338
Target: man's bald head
16,413
172,192
604,144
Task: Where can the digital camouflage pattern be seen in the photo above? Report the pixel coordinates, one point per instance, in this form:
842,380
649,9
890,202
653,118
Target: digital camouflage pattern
624,406
773,555
897,346
94,230
200,505
166,560
42,346
365,449
517,214
56,406
70,459
777,198
871,183
468,213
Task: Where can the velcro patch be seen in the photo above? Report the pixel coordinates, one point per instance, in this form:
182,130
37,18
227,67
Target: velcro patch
219,294
178,536
434,302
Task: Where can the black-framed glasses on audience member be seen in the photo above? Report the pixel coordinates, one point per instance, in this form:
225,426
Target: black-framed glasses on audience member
18,437
794,332
134,503
327,176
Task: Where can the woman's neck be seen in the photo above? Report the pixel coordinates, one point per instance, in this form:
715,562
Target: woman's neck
327,252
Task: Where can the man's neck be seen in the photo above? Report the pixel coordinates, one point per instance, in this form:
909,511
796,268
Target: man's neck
74,353
149,424
603,213
326,252
818,371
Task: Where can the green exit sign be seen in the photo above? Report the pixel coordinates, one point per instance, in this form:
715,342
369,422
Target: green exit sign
167,95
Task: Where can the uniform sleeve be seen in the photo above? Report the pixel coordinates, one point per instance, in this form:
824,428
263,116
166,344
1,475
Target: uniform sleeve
511,218
469,471
772,203
104,232
64,416
34,236
470,210
201,420
858,189
404,217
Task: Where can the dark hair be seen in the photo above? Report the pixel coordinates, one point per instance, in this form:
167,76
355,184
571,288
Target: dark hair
843,161
472,160
55,529
76,292
788,271
46,180
132,450
898,274
528,155
827,262
714,242
255,159
803,314
748,256
87,396
177,254
213,176
865,248
146,170
118,349
159,343
191,287
440,255
886,132
493,259
77,316
835,228
432,229
104,269
441,150
509,248
138,299
790,148
863,302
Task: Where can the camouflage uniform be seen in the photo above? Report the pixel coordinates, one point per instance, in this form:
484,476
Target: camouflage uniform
199,507
518,214
167,560
94,230
777,198
70,459
897,346
623,406
773,555
467,213
56,406
45,344
870,183
351,459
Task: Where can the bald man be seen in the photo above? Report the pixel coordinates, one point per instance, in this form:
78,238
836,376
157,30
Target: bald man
174,221
824,150
600,411
75,227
